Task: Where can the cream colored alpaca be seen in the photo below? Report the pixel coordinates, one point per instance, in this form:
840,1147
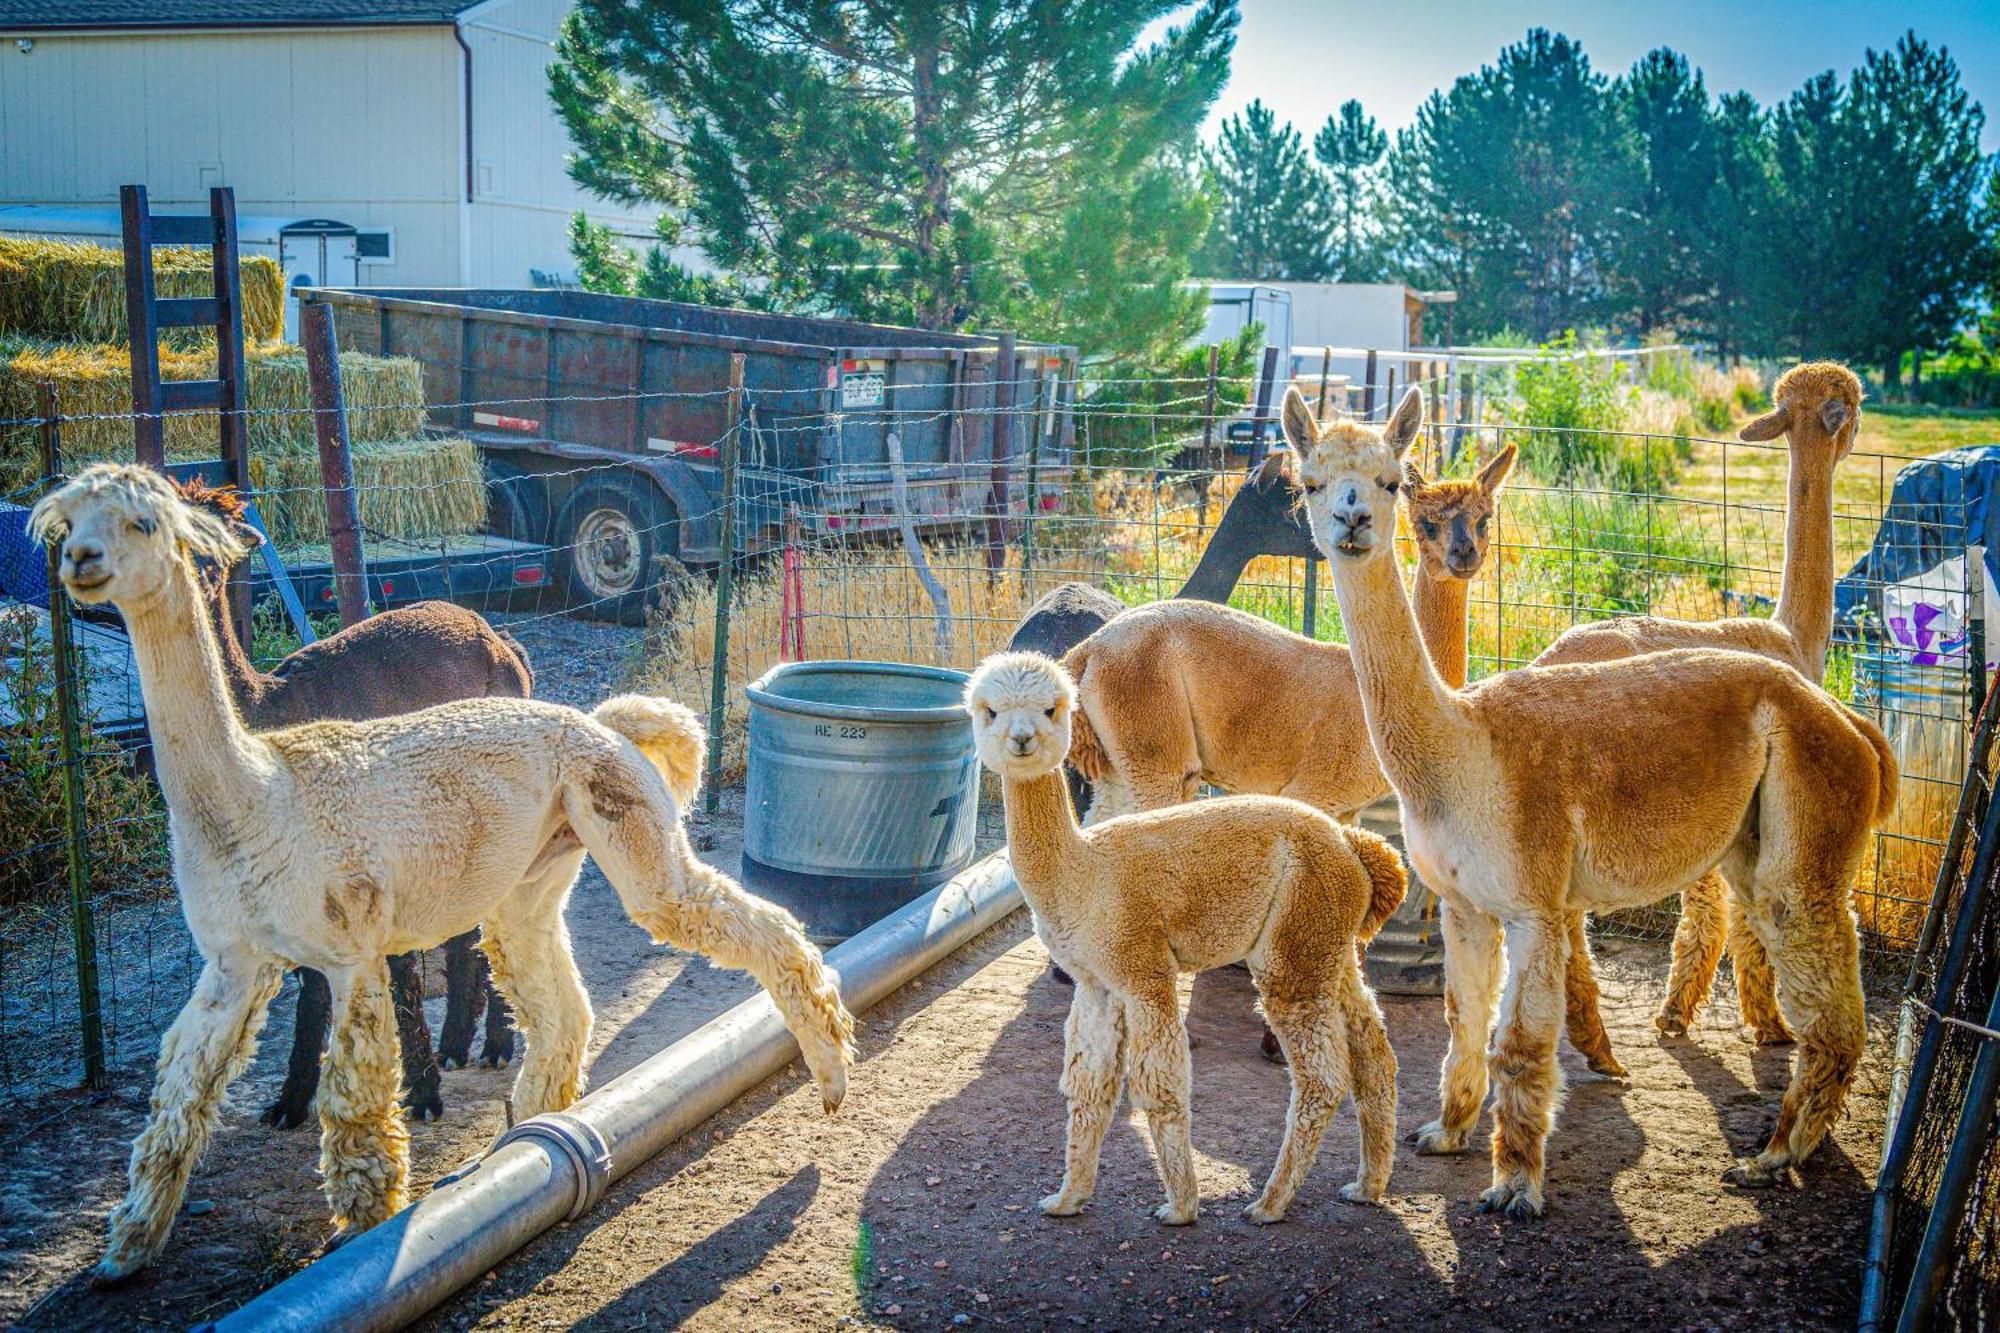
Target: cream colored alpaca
1543,792
1127,905
334,845
1818,406
1176,694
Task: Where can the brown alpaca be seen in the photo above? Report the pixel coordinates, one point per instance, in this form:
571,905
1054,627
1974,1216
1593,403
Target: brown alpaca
1129,904
399,661
1537,794
1818,406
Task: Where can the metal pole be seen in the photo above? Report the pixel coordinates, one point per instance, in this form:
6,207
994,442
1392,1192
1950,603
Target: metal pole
336,462
1003,449
1325,374
718,668
69,689
1368,389
1266,381
1309,611
1208,433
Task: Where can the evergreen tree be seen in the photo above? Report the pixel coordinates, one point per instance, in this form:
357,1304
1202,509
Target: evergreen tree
1670,193
1736,243
1818,280
1273,210
1351,146
947,163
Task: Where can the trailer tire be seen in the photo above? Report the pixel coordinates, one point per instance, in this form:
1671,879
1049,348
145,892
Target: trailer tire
517,503
611,534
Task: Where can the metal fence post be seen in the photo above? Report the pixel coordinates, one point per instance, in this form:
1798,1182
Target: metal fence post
83,930
718,669
336,462
1206,462
1368,388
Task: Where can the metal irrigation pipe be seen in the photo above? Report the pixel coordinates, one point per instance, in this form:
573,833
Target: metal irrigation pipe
556,1167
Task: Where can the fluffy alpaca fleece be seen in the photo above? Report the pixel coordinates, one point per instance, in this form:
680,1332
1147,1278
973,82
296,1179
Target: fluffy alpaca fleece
1127,905
336,844
1817,406
1539,793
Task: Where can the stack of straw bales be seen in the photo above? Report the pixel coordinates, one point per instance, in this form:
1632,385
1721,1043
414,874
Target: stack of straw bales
75,292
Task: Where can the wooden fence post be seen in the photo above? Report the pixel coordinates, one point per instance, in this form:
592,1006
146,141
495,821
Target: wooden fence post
336,462
1003,449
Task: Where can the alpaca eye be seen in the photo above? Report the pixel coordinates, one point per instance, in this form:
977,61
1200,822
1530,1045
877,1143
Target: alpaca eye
988,710
143,526
1050,713
1392,486
1483,522
1312,488
1430,529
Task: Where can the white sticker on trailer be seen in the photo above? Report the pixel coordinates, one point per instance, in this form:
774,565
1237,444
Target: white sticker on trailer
863,383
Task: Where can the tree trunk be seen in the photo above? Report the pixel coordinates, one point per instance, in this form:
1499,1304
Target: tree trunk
934,201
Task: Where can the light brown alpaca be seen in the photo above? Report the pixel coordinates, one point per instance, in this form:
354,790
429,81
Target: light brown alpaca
1538,793
1127,905
334,845
1818,406
1176,694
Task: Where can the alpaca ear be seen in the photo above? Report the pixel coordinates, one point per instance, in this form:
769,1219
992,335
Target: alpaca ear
248,536
47,523
1495,472
1273,471
1300,431
1767,427
1404,423
1413,480
1834,415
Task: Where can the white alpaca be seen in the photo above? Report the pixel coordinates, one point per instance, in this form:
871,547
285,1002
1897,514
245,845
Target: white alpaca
336,844
1128,904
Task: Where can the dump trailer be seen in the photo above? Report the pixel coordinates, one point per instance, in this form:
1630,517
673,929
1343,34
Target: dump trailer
601,419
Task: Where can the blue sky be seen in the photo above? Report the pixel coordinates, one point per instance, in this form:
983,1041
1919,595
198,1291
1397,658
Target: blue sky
1305,57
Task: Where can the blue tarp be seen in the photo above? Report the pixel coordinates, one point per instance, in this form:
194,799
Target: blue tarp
1939,506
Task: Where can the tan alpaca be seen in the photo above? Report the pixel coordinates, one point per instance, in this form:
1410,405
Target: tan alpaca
1127,905
1540,793
333,845
1818,406
1176,694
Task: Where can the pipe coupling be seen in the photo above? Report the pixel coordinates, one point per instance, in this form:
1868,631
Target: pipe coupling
580,1143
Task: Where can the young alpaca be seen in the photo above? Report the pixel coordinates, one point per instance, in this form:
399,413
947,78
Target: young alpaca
1129,904
1818,407
399,661
335,845
1536,794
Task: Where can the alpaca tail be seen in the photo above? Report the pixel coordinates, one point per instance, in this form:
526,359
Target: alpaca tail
667,733
1387,877
717,917
521,656
1889,775
1086,751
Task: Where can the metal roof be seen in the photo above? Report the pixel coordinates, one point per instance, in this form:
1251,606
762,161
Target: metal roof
29,15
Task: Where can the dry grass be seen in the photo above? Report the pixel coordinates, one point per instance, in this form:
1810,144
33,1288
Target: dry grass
412,490
73,292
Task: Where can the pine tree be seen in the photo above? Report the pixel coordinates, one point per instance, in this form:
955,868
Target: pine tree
1273,210
1670,192
1736,244
1351,147
946,163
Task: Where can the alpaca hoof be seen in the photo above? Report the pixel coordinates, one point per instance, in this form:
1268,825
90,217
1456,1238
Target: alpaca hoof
833,1090
424,1104
109,1272
1175,1215
1751,1174
1434,1140
1670,1025
1263,1214
288,1112
1060,977
1518,1202
1769,1034
452,1059
1270,1049
1060,1205
498,1052
1606,1064
1357,1191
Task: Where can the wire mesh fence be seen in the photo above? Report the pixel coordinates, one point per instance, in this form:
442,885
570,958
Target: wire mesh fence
889,532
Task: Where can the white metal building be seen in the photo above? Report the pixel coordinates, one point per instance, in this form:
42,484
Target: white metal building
424,124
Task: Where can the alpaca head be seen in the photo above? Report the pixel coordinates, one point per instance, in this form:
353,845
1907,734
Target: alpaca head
1266,513
1818,403
1351,473
124,532
1020,705
1452,519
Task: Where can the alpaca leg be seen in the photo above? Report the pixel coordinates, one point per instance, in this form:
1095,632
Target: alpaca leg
1527,1081
1698,941
1580,999
498,1049
531,960
413,1034
309,1026
1471,990
1315,1047
1093,1059
464,995
1371,1064
1160,1077
1816,954
364,1148
672,894
208,1045
1756,984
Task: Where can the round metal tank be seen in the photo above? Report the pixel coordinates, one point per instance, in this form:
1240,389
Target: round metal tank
863,789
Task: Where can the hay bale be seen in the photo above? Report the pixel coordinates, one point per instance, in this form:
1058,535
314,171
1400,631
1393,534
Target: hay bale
75,292
385,395
412,490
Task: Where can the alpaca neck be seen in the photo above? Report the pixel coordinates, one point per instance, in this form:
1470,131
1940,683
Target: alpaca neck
200,747
1043,840
1222,563
247,685
1440,607
1805,595
1413,716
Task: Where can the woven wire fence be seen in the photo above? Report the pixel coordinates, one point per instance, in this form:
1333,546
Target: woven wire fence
890,534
